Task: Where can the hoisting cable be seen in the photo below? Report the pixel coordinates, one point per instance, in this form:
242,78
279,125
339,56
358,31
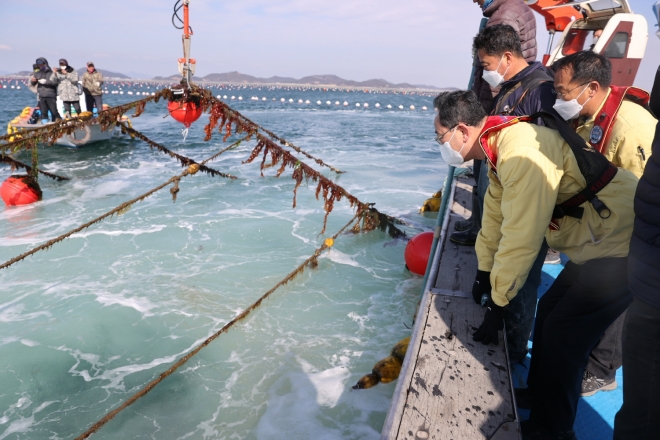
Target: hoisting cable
311,261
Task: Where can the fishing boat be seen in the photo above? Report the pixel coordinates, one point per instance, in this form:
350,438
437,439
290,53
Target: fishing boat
449,386
89,134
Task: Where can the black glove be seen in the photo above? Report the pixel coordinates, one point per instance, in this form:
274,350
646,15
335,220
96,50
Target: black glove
493,323
481,285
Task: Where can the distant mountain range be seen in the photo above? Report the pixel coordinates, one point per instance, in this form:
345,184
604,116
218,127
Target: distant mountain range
241,78
318,80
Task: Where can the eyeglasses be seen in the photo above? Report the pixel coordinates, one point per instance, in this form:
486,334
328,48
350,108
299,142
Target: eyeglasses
439,137
561,95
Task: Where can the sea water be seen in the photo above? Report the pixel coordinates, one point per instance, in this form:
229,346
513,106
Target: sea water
87,323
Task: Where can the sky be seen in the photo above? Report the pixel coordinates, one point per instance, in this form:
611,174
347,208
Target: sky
415,41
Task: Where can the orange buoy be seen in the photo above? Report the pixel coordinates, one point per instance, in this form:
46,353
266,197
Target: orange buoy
20,190
417,252
184,112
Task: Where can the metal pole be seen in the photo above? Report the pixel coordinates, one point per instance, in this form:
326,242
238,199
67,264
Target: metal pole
447,187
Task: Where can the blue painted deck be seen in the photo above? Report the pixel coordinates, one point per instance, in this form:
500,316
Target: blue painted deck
595,416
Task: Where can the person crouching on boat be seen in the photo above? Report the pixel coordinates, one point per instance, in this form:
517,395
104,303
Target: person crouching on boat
46,83
614,122
534,176
67,87
92,82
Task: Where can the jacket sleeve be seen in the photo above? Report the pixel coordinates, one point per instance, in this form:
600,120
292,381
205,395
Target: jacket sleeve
52,80
530,184
72,77
490,233
632,147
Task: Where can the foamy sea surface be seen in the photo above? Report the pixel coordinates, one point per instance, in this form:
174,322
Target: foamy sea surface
86,324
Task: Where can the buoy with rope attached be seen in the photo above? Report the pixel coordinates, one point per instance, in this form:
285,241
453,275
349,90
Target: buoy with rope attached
181,107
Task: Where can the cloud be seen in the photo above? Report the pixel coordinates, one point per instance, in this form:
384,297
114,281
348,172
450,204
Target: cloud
4,47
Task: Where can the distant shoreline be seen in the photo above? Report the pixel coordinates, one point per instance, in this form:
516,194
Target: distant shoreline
203,82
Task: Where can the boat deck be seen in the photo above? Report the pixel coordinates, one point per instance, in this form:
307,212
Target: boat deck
453,388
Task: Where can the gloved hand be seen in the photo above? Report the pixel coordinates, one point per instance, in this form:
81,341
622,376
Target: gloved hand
493,322
481,285
42,81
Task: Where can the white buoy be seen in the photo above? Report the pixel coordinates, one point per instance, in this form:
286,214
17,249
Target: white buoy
121,93
219,97
412,107
129,93
389,106
345,104
366,105
233,97
300,101
357,104
240,98
424,108
18,87
283,100
336,102
290,99
377,105
328,102
400,107
307,101
318,102
224,97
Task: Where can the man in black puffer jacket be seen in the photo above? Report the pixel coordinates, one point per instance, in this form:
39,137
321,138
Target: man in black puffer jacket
46,82
639,417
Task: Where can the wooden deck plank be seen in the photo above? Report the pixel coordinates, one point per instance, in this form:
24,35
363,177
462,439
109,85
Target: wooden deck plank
453,388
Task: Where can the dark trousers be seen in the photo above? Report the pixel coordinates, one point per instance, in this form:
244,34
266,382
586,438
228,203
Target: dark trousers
606,357
639,417
46,104
75,104
570,319
91,100
519,314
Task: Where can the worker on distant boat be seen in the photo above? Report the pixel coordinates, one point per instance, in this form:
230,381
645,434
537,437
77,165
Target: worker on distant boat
526,88
67,87
536,181
46,83
92,82
520,17
614,121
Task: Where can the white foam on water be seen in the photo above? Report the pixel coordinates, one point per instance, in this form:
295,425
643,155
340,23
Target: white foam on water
153,229
29,342
337,256
141,304
15,314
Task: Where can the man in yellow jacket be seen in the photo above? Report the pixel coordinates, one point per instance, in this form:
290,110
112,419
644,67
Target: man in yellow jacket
533,169
614,123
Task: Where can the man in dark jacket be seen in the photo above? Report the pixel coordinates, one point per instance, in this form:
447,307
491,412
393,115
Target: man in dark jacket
526,88
638,417
46,83
521,18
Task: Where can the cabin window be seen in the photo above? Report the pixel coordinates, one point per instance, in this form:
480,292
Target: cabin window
618,46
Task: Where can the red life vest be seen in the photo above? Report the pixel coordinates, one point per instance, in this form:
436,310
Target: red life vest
495,124
602,131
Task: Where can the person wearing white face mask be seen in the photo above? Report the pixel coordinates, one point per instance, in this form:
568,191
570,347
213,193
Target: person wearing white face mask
534,170
611,120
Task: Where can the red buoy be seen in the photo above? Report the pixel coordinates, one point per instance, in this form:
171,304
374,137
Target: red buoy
184,112
20,190
417,252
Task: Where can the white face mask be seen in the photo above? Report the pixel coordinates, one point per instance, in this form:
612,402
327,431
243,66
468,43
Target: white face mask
493,77
451,156
570,109
595,40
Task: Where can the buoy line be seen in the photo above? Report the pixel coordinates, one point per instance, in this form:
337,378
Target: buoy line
18,164
311,262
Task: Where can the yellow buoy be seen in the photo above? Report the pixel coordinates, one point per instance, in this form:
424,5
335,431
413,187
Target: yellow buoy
386,370
329,242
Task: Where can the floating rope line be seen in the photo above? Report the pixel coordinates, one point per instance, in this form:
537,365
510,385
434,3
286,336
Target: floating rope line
121,209
311,262
185,161
15,164
224,150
